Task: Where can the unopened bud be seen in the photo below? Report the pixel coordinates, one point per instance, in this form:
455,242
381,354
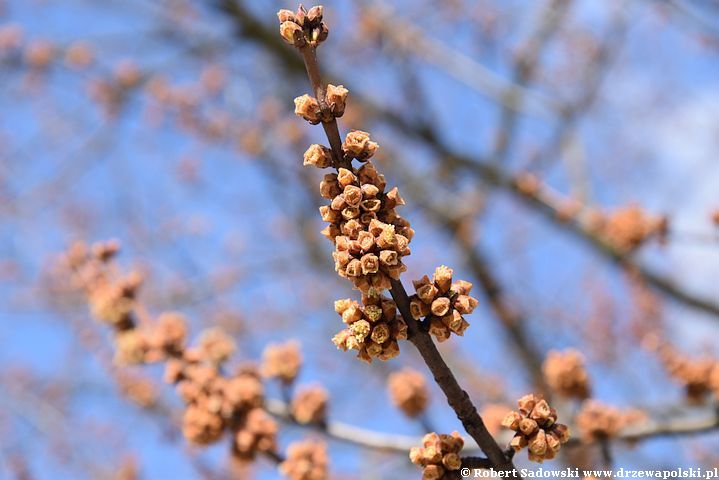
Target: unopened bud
291,32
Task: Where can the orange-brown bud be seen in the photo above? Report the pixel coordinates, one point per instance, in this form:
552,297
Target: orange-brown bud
336,97
318,156
306,106
440,306
291,32
358,145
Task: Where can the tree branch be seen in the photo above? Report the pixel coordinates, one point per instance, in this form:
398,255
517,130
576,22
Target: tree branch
457,398
250,28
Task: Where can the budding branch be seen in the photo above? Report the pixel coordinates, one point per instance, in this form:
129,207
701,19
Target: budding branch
457,398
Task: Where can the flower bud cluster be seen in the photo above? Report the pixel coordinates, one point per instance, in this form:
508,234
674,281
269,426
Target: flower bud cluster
597,421
309,405
303,27
307,460
628,228
492,415
149,344
624,229
438,455
255,432
370,238
357,146
442,303
408,391
566,374
699,376
536,428
309,108
214,402
282,361
373,328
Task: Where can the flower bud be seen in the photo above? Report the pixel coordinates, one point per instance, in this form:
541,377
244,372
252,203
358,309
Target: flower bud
535,426
528,426
282,361
388,257
329,187
462,287
427,292
380,333
307,107
291,33
512,421
370,264
369,190
408,391
329,215
336,97
358,145
360,329
352,313
346,177
440,306
285,15
443,278
451,461
365,240
418,308
309,405
465,304
348,213
314,15
352,195
439,330
318,156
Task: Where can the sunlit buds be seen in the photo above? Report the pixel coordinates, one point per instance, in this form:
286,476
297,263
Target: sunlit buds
440,306
443,278
285,15
318,156
201,426
308,108
303,27
565,373
292,33
314,15
438,455
408,391
336,98
598,421
282,361
305,461
352,195
171,332
215,345
373,329
536,427
309,405
358,145
330,187
346,177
